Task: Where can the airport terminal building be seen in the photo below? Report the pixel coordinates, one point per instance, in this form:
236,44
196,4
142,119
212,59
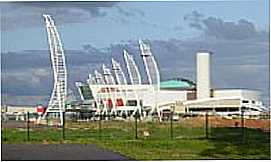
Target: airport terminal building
108,90
178,95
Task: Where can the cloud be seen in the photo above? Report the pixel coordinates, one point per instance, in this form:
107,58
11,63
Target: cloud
233,60
220,29
27,100
124,12
31,81
131,12
239,60
92,7
91,49
28,14
25,14
243,29
29,59
129,15
195,17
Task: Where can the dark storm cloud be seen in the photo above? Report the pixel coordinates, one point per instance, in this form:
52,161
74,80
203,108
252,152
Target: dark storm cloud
25,14
218,28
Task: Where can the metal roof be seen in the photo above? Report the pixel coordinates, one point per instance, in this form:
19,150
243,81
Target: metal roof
177,84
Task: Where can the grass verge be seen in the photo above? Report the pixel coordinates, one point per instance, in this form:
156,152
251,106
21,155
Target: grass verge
188,142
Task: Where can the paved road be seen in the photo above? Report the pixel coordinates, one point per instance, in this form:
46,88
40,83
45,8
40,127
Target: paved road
57,152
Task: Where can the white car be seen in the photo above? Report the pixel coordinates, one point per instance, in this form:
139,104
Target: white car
175,117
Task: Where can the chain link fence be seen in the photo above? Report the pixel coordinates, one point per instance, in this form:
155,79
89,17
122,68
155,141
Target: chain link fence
25,127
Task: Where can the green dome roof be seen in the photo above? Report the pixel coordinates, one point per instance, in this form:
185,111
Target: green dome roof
177,84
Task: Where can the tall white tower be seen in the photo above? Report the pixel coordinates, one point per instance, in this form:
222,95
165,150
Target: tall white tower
203,74
59,94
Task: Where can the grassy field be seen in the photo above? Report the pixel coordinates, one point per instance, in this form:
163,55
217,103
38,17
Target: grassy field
187,142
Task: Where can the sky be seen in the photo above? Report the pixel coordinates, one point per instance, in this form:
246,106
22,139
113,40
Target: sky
92,32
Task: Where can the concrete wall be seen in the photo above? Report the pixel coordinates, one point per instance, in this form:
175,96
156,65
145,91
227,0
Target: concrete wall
167,96
203,75
19,109
213,103
145,93
241,93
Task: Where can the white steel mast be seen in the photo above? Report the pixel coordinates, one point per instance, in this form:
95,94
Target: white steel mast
133,71
100,99
119,74
59,93
98,78
134,75
109,80
152,71
120,80
92,81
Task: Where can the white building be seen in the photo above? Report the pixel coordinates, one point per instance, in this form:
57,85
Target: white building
228,101
221,101
182,95
170,92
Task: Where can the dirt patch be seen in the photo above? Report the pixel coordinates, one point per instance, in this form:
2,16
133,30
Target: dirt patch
263,124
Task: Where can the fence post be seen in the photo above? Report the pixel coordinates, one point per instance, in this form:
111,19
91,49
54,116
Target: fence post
63,126
47,122
136,114
171,125
100,125
27,124
5,129
206,125
242,122
5,123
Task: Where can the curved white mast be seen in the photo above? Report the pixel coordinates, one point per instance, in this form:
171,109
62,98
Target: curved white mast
109,80
133,71
120,80
92,81
59,93
119,74
100,99
150,64
134,75
99,78
152,72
